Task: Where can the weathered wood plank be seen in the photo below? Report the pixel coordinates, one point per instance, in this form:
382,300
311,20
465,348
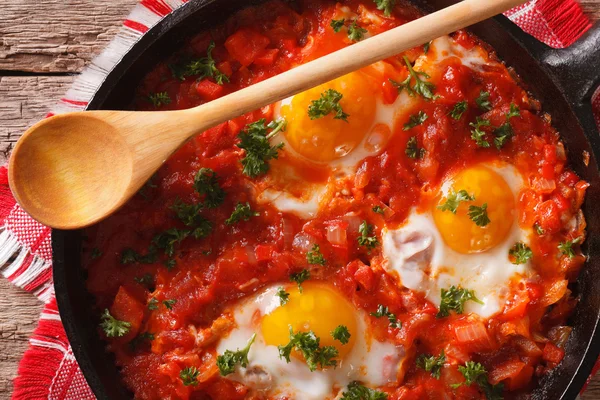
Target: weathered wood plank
591,8
24,101
57,35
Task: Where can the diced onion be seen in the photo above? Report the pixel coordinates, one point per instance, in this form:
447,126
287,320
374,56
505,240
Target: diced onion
303,242
288,233
336,235
543,185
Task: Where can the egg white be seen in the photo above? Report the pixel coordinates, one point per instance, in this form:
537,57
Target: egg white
423,262
372,362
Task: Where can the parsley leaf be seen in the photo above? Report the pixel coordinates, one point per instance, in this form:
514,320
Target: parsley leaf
300,277
337,24
503,133
378,210
309,345
328,102
423,88
206,182
538,229
146,280
355,32
189,376
95,253
314,256
113,327
370,242
453,200
483,101
458,110
284,296
153,304
426,47
169,303
130,256
341,334
521,253
415,120
566,248
159,99
356,391
514,111
255,140
189,215
204,67
455,299
241,212
479,215
167,240
412,149
477,134
383,311
228,360
432,364
140,339
475,373
386,6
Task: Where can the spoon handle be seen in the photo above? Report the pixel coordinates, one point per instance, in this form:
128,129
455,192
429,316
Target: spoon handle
346,60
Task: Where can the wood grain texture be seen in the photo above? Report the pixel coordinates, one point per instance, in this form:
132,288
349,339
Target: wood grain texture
58,36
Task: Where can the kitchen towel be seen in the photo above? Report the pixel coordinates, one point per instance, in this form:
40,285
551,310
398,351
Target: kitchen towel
48,369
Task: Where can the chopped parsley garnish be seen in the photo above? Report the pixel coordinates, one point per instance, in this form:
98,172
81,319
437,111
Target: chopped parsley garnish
228,360
159,99
189,215
113,327
370,242
453,200
454,299
426,47
300,277
479,215
95,253
383,311
153,304
130,256
521,253
337,24
386,6
146,280
284,296
170,263
356,391
477,134
204,67
169,303
412,149
538,229
341,334
566,248
314,256
241,212
168,239
505,131
415,120
206,182
328,102
475,373
458,110
254,138
483,101
308,344
378,210
355,32
432,364
513,112
189,376
423,88
140,339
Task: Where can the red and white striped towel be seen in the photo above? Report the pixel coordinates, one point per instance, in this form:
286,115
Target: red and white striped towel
48,369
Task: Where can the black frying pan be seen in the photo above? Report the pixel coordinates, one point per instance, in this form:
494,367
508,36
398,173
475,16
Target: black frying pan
563,80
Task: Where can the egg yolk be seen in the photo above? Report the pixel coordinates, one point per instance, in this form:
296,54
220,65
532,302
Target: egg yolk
326,138
458,230
318,308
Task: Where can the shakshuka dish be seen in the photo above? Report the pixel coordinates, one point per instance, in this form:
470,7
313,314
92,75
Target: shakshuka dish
407,231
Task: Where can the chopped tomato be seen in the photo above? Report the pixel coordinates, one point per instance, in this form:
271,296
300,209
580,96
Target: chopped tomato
246,45
208,90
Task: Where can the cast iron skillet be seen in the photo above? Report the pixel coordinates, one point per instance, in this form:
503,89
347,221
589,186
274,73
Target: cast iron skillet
562,79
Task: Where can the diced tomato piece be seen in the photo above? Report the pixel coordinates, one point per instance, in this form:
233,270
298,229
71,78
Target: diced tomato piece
516,307
208,90
289,44
506,370
365,277
389,91
553,353
245,45
550,154
549,216
225,68
534,290
129,309
264,252
569,178
267,57
562,203
547,170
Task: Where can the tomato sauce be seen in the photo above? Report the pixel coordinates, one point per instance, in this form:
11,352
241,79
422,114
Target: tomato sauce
201,276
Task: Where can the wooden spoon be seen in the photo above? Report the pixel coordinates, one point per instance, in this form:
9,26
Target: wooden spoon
72,170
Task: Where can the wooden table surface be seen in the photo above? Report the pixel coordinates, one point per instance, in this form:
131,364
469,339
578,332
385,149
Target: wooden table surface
43,46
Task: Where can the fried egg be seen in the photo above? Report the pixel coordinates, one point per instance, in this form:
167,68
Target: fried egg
319,308
437,249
